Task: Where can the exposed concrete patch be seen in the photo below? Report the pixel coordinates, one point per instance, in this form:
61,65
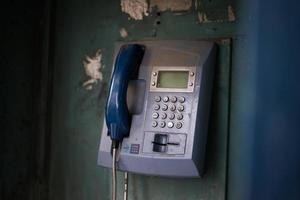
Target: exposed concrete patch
123,33
136,9
92,66
231,14
172,5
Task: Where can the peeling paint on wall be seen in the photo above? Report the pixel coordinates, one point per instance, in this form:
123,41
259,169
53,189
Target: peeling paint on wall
218,15
123,33
92,66
196,4
136,9
231,15
172,5
211,12
202,17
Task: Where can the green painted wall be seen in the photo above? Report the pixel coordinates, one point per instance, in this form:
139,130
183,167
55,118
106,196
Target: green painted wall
82,27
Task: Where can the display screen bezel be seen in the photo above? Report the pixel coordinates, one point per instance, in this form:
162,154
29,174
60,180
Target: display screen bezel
167,79
155,73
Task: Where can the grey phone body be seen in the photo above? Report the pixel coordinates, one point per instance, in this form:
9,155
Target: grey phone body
176,117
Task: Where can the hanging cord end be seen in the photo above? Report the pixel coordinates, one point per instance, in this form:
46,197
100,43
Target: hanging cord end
114,145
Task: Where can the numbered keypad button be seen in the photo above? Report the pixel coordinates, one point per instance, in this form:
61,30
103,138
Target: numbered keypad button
154,124
164,115
170,124
173,99
155,115
165,99
181,99
173,107
180,108
164,107
157,98
162,124
178,125
156,107
171,116
179,116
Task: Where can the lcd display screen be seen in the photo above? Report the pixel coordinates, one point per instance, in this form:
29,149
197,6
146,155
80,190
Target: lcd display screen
172,79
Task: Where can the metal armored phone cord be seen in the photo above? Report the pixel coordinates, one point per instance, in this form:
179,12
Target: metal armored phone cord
125,185
114,175
114,149
115,146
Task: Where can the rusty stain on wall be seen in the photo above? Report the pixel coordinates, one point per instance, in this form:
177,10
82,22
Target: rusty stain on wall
92,66
136,9
172,5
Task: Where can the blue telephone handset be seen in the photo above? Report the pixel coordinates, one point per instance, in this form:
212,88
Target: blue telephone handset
127,63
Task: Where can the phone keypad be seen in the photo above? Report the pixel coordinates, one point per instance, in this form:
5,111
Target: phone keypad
154,124
164,115
178,125
155,115
168,112
164,107
173,107
180,108
179,116
166,99
156,107
162,124
173,99
171,116
181,99
157,98
170,124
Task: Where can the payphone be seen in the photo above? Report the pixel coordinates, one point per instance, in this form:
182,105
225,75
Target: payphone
158,108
